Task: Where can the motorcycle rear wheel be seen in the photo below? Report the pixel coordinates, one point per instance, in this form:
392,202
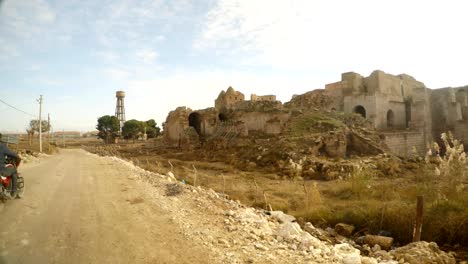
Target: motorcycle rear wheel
20,188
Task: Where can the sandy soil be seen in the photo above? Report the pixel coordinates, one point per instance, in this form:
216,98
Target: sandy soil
79,209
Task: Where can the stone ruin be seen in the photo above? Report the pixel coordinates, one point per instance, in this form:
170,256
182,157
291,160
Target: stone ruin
403,110
232,116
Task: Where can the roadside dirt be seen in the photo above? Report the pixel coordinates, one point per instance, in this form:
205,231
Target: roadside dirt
83,208
80,209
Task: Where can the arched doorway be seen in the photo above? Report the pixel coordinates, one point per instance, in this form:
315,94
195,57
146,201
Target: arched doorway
195,120
390,119
360,110
222,117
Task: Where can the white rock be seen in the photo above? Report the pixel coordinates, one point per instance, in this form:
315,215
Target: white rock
376,248
223,242
282,217
367,260
230,213
289,231
261,247
349,254
171,175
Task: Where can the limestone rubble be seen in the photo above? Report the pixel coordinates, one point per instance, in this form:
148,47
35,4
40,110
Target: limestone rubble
240,234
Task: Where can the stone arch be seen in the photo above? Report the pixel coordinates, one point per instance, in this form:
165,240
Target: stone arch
360,110
195,121
390,119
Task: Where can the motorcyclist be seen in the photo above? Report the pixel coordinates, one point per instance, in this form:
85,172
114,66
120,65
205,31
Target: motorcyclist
10,171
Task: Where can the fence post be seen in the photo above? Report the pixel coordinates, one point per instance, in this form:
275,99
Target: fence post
419,218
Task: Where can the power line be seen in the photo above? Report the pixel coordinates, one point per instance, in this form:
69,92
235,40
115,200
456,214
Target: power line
16,108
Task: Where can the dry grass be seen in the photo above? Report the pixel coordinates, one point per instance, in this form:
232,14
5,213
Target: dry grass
366,199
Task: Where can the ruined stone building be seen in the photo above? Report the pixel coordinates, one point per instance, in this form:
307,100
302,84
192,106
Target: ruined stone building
408,113
228,99
403,109
232,114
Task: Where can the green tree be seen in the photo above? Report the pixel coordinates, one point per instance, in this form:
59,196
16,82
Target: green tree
108,127
132,128
34,126
152,129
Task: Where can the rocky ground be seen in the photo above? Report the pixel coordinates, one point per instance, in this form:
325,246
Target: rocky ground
239,234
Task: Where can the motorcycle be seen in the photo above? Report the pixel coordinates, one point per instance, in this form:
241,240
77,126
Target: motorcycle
5,182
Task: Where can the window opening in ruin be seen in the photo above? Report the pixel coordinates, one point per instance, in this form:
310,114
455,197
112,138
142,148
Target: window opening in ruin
360,110
390,119
195,121
222,117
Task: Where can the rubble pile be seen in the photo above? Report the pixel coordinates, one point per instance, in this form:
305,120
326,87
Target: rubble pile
316,99
29,157
422,252
239,234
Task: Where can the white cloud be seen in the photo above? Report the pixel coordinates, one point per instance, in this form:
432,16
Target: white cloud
26,18
136,22
147,56
422,38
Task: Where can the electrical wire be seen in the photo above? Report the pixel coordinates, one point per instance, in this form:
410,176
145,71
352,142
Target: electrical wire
16,108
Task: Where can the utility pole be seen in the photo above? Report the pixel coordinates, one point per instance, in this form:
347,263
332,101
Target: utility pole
48,125
40,124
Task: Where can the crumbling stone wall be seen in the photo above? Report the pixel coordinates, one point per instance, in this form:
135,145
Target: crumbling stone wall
406,143
265,122
257,98
410,114
316,99
184,125
228,99
450,112
176,123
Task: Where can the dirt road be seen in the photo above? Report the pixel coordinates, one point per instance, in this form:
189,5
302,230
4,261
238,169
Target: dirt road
79,209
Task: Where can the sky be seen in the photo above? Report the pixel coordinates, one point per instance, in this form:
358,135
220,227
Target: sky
170,53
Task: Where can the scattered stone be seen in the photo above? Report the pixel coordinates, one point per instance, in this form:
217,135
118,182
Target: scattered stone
282,217
384,242
173,189
230,213
367,260
423,252
261,247
375,248
171,175
223,242
344,229
349,254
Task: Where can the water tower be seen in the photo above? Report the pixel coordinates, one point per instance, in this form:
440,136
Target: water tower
120,108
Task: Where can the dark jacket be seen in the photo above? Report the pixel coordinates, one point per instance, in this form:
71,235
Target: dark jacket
5,151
